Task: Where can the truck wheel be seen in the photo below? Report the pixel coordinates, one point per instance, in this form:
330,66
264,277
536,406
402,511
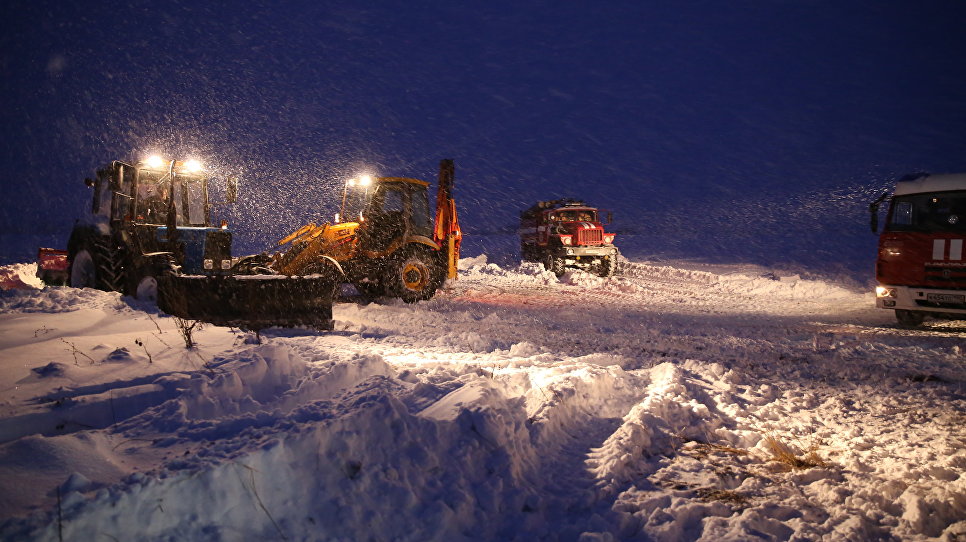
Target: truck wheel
554,264
607,266
414,274
909,318
369,289
83,272
526,252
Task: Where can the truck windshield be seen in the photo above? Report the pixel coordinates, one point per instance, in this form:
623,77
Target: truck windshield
936,212
574,216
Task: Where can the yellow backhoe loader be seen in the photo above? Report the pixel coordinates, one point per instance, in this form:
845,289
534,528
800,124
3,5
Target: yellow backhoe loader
383,238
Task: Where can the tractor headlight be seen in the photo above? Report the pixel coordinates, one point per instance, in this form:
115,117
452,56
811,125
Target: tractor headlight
882,291
192,166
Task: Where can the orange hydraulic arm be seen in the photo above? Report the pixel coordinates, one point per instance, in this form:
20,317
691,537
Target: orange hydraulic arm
447,228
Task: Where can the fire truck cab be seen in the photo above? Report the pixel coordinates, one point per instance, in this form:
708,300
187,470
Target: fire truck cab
921,265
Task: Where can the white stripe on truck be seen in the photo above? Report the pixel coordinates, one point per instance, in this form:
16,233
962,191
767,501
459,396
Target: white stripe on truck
938,249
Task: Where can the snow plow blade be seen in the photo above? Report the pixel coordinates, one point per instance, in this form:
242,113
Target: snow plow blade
250,302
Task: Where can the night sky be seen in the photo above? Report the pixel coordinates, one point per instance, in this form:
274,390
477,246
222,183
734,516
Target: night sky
727,130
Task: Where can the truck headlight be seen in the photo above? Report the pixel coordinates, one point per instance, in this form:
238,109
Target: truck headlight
209,264
570,252
566,240
882,291
226,264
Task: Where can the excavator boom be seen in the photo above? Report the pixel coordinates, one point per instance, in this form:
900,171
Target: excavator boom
446,231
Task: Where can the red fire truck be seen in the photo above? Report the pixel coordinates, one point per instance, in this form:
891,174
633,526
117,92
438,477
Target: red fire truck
921,266
567,233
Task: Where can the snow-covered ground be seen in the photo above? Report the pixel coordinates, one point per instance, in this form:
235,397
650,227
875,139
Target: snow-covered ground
674,402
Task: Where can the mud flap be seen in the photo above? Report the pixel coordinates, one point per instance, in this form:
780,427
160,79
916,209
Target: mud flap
250,302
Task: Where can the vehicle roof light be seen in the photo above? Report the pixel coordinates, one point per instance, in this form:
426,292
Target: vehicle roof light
192,166
154,161
365,180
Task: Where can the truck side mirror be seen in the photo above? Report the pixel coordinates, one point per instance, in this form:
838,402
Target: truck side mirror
231,190
874,212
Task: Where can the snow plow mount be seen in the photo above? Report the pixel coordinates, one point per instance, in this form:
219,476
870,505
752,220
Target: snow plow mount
251,302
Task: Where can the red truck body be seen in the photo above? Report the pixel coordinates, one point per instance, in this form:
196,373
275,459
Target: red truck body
567,233
921,263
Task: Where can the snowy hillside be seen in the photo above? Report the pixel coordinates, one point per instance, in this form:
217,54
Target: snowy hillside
670,403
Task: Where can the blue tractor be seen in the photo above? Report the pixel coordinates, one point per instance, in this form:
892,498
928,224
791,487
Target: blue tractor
149,234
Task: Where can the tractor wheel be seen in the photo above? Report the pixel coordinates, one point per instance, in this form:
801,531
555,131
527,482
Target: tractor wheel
554,264
908,318
82,271
146,289
110,270
96,265
414,274
607,266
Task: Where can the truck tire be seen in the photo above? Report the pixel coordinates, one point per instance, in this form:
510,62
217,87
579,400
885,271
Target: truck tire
554,264
909,318
414,274
369,289
607,266
526,252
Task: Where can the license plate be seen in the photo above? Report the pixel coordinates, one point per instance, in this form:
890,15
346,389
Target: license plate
946,298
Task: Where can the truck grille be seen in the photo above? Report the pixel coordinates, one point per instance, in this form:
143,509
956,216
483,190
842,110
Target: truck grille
955,277
922,303
590,237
